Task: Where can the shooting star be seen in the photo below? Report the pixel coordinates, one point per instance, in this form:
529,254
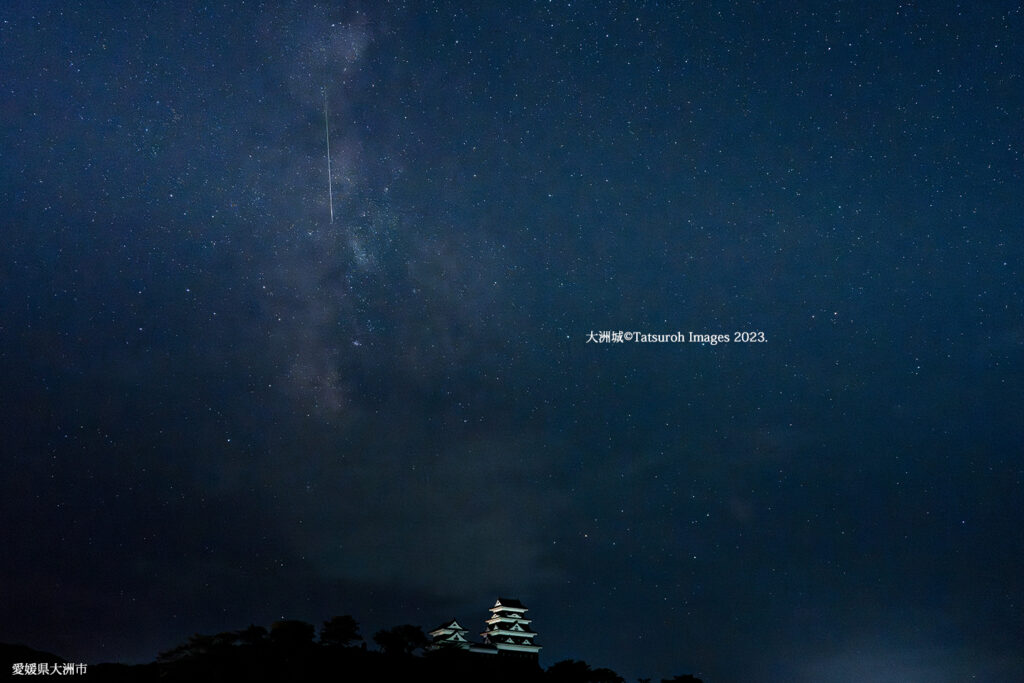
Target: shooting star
330,185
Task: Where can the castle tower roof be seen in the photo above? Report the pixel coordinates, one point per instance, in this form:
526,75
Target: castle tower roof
509,630
449,634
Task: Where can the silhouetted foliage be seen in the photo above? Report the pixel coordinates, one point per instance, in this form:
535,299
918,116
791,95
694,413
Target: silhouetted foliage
568,671
401,640
253,635
339,631
198,645
287,652
574,671
291,634
605,676
683,678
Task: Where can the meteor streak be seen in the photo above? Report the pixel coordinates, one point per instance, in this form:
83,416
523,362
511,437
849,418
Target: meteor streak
327,131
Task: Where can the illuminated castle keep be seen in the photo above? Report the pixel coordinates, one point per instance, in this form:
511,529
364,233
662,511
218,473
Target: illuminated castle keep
508,632
508,629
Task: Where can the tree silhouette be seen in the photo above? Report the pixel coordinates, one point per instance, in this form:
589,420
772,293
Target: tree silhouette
291,634
287,652
401,640
605,676
198,645
339,631
568,671
253,635
574,671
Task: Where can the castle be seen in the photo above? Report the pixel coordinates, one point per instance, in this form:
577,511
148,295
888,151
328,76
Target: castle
507,633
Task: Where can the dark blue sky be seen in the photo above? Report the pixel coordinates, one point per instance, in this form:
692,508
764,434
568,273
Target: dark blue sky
221,408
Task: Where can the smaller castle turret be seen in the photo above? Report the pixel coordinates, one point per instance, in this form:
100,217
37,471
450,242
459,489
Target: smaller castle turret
449,634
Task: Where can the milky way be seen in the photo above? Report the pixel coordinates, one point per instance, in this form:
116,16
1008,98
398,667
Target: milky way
225,405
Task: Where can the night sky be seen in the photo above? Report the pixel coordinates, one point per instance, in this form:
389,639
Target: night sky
219,407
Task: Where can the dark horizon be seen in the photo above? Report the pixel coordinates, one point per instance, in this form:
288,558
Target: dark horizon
223,408
328,644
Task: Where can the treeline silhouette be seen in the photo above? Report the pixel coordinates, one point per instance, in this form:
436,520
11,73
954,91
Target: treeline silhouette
291,651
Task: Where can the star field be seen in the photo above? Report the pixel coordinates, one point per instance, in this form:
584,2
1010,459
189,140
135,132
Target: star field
222,408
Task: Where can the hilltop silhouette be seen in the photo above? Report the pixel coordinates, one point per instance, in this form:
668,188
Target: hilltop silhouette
294,650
